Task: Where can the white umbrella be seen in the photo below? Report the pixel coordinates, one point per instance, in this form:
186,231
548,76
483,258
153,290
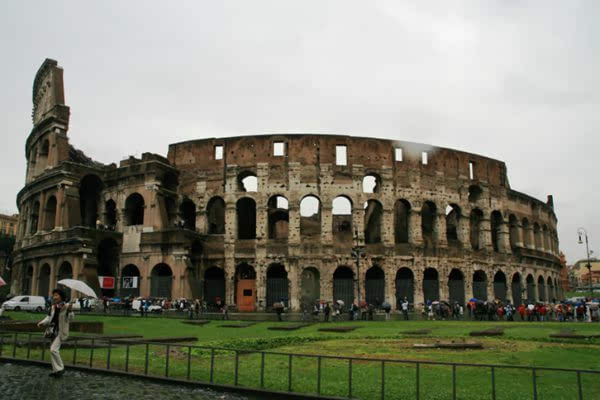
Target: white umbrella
80,286
340,302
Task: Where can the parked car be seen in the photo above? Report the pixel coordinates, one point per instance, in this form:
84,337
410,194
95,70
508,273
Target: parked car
25,303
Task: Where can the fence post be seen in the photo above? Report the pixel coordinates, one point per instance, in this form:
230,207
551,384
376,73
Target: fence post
146,360
319,375
579,389
382,380
92,353
290,373
212,363
75,353
28,345
350,378
108,354
262,369
453,381
237,357
493,383
418,378
167,361
534,384
189,362
127,358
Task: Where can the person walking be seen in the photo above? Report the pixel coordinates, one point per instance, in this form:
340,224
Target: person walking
404,306
58,319
326,311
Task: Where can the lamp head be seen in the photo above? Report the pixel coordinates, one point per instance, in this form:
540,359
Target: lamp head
580,241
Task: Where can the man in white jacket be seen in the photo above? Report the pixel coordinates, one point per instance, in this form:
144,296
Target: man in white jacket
59,317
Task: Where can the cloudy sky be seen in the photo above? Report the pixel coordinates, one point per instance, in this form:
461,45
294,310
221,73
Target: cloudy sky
514,80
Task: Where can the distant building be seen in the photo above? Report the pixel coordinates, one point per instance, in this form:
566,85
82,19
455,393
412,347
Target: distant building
8,224
582,273
564,273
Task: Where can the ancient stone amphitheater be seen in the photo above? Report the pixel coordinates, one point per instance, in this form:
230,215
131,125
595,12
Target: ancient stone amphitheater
254,220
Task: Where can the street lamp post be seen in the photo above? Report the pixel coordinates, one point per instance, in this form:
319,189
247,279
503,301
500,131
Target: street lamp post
358,251
582,232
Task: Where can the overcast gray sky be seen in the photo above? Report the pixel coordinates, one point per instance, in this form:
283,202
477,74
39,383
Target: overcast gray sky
514,80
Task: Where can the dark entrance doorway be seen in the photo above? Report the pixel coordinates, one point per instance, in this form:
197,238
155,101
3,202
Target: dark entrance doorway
343,285
375,286
500,286
530,289
431,285
480,285
517,290
311,288
162,279
214,286
456,287
277,285
405,286
44,285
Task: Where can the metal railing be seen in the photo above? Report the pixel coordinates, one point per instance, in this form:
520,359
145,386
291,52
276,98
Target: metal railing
13,343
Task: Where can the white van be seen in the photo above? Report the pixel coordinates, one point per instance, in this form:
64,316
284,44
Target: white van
25,303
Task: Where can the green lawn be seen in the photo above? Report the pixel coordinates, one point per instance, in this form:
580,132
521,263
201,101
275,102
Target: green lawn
524,344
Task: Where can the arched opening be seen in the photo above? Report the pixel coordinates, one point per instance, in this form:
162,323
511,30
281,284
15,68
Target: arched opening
475,228
541,289
342,219
89,196
170,181
405,281
513,231
431,285
50,214
530,289
373,217
310,288
277,285
65,271
27,280
162,280
310,216
187,209
44,281
279,218
108,266
526,232
215,216
557,290
130,281
475,193
500,286
245,287
428,220
134,209
480,285
343,285
168,209
452,224
35,216
371,183
247,182
214,286
546,239
551,292
375,286
537,236
246,218
456,286
110,214
496,226
517,289
401,220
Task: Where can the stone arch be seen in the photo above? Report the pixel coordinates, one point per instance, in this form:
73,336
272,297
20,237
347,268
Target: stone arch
500,288
50,214
453,215
343,285
310,287
245,287
405,283
517,289
551,290
247,182
475,228
530,289
541,289
475,193
546,239
27,280
215,216
537,236
108,264
428,222
371,183
110,214
170,180
375,285
134,209
278,217
246,218
90,188
456,286
401,220
431,284
526,232
130,281
496,222
342,218
35,217
214,286
373,221
44,280
513,231
310,216
277,285
480,285
162,281
187,209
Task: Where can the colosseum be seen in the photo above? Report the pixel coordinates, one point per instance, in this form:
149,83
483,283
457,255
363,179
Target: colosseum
253,220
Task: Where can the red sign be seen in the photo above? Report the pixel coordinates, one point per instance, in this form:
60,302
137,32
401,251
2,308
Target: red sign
107,282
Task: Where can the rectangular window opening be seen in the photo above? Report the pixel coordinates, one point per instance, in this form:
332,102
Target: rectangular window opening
398,154
424,158
471,170
279,149
218,152
340,155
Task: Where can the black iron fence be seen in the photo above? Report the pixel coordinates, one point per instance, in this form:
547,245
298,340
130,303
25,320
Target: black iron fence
278,371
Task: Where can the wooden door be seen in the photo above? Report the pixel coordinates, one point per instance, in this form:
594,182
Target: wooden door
246,295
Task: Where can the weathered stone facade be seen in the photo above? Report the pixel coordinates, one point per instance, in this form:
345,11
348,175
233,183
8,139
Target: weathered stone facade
223,218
